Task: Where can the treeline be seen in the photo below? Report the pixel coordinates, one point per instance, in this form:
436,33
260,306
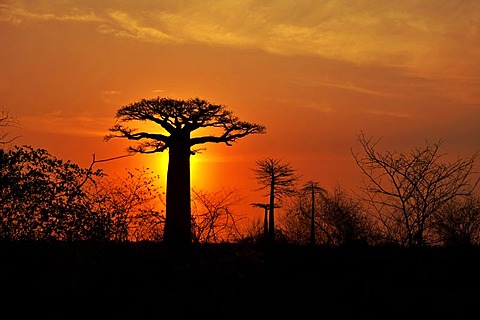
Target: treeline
409,199
45,198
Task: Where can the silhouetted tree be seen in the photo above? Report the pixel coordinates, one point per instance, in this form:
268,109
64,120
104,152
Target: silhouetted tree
133,206
253,231
213,220
6,120
265,207
458,222
313,188
347,221
279,179
407,190
178,119
339,219
44,198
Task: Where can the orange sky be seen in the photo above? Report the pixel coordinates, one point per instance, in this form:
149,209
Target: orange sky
314,73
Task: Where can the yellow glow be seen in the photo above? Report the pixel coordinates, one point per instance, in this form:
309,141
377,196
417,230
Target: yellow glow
199,172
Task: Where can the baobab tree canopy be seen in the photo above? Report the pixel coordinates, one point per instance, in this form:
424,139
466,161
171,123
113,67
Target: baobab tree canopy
178,119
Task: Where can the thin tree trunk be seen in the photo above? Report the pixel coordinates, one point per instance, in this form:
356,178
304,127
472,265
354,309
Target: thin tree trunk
312,222
271,229
265,224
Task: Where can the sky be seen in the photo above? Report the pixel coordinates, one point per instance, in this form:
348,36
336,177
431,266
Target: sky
315,73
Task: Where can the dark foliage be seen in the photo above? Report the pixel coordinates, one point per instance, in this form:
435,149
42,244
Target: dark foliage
44,198
231,281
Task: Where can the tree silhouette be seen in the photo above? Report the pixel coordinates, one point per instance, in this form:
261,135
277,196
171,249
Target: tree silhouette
338,218
458,223
407,191
313,187
178,119
213,220
266,208
45,198
133,206
6,120
279,179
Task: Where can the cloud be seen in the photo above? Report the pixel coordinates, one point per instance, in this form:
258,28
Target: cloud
125,25
349,86
17,14
76,125
388,113
111,92
428,37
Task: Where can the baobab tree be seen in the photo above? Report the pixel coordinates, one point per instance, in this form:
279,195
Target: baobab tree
266,207
279,179
178,119
313,188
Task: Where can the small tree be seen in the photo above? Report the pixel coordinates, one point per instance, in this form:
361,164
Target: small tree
458,223
265,207
132,206
44,198
339,219
407,190
313,188
213,219
178,120
6,120
279,179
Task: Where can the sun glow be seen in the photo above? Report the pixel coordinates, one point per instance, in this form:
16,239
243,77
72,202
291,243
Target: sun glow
200,172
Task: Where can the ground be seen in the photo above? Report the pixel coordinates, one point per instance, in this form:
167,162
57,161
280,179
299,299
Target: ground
236,281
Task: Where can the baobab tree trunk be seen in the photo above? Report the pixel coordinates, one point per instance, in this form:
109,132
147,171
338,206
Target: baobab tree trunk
271,220
265,224
312,221
178,214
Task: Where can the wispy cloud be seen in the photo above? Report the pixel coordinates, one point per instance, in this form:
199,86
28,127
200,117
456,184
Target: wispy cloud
387,113
76,125
124,25
349,86
17,14
111,92
418,36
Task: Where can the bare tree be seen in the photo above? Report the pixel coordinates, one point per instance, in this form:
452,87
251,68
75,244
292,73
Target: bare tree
339,219
279,179
6,120
407,190
266,208
313,188
133,206
252,231
458,222
213,219
346,220
178,119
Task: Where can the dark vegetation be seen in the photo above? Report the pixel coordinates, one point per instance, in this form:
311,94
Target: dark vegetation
77,243
235,281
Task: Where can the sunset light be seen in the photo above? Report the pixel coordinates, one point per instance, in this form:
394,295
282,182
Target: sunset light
314,74
240,159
